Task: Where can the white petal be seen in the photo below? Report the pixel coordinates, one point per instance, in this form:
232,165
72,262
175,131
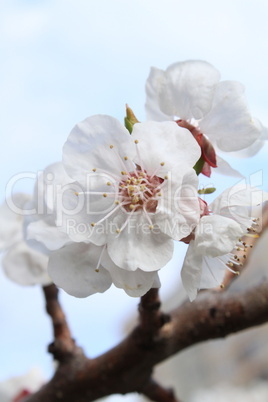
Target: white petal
224,168
229,124
48,234
26,266
240,203
191,271
166,143
88,147
135,283
154,84
213,272
49,184
188,90
216,235
178,209
80,212
11,221
137,246
256,146
73,268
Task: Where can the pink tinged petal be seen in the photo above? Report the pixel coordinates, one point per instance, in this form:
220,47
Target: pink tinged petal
154,84
165,143
188,89
73,268
206,170
178,209
47,234
229,124
216,235
135,283
26,266
99,142
138,246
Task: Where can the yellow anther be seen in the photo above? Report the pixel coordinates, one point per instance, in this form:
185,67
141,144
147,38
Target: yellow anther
230,264
162,163
159,194
126,158
94,170
128,181
111,146
132,206
118,230
237,272
104,194
135,199
108,183
166,177
136,141
93,224
222,286
151,227
117,202
123,173
131,188
97,270
76,193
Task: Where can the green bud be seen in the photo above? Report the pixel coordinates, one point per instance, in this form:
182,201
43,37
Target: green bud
208,190
130,119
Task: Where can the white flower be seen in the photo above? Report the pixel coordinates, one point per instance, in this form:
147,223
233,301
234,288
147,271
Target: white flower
134,194
191,93
208,253
138,192
17,388
41,227
217,237
84,269
21,263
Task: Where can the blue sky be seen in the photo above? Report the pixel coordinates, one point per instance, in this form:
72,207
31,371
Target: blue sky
65,60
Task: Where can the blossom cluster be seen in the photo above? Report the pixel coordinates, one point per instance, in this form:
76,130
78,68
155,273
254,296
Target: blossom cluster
110,211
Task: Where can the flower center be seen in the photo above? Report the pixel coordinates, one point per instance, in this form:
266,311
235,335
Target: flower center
138,191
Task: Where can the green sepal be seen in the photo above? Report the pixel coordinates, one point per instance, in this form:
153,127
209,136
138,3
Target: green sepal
199,165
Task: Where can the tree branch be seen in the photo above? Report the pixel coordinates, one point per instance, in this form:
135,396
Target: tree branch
63,344
155,392
128,367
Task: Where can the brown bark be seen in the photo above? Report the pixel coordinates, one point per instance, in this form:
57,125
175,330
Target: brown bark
128,367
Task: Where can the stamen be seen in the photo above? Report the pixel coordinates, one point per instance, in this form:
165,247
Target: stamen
125,223
139,157
99,261
109,214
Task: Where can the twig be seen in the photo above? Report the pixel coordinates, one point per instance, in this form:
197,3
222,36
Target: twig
63,343
157,393
151,317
